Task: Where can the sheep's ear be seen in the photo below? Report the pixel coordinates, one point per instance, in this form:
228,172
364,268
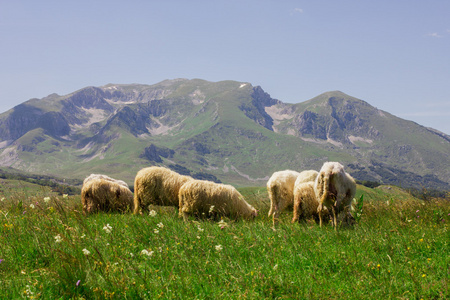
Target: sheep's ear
117,192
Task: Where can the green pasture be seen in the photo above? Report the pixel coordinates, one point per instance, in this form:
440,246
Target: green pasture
49,249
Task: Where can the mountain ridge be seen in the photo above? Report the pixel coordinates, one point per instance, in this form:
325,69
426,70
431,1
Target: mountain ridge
229,131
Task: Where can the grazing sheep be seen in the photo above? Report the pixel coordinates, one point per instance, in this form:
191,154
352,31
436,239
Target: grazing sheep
306,176
281,189
101,176
105,195
198,197
305,202
157,186
335,190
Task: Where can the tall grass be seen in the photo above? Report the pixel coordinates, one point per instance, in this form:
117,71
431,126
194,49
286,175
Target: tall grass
49,249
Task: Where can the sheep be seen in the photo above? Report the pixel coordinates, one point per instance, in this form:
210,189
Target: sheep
157,186
305,202
281,189
105,177
334,189
105,195
198,197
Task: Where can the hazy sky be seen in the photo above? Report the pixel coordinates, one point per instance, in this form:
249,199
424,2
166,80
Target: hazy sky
393,54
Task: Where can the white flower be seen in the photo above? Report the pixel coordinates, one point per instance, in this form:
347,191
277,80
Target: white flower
222,224
146,252
107,228
28,290
46,199
83,236
211,209
156,231
131,254
219,247
275,267
3,199
152,213
86,251
58,239
160,225
200,229
32,206
65,196
198,237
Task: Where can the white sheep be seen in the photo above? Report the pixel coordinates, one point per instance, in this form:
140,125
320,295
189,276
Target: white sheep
157,186
105,195
105,177
335,190
281,189
305,202
201,197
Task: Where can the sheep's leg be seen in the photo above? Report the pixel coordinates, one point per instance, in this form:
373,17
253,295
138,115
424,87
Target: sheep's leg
271,210
185,216
296,214
320,210
334,217
275,218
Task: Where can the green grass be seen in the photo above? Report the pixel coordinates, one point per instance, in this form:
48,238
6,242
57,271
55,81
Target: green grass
398,250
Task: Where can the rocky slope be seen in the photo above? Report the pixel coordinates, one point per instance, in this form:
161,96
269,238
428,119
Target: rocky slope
224,131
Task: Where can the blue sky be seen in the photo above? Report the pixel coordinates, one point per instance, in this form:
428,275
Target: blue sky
393,54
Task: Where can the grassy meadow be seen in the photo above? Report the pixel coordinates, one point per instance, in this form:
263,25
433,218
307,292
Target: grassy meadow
399,249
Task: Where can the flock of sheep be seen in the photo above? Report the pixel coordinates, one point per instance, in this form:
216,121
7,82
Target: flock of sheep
319,195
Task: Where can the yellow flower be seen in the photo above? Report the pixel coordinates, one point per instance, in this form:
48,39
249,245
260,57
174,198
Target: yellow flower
424,275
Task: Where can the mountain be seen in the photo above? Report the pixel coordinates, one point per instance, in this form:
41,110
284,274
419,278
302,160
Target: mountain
223,131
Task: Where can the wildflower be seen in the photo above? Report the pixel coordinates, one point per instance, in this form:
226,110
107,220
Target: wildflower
378,266
421,240
152,213
156,231
417,211
131,254
3,199
424,275
86,251
275,267
1,260
46,199
222,224
211,209
107,228
32,205
198,237
200,229
58,239
65,196
160,225
146,252
219,247
78,283
28,290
